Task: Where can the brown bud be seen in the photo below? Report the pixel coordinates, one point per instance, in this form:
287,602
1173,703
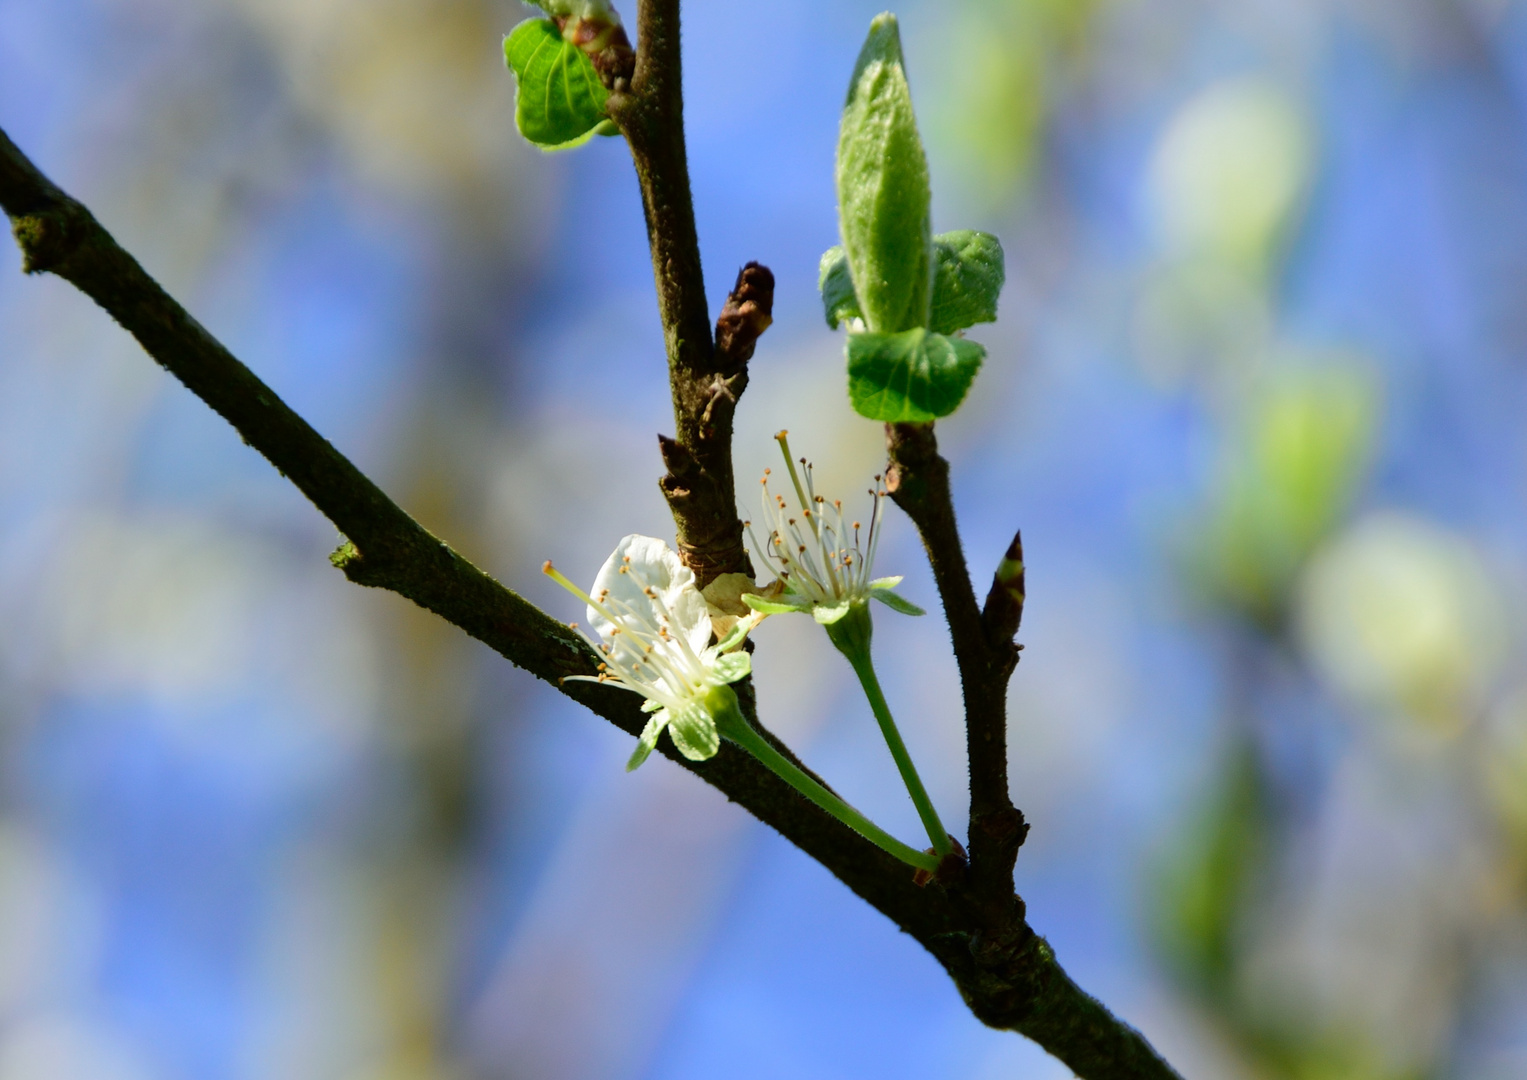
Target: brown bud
748,312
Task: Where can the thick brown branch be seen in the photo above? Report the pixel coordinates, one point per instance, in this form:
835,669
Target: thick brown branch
1006,973
918,480
651,116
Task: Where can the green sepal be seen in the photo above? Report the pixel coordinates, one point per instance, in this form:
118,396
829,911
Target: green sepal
912,377
851,632
896,602
883,190
560,101
650,733
729,667
740,630
774,607
827,614
694,732
967,278
836,284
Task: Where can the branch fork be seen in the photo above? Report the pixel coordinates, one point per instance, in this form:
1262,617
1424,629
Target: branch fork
968,917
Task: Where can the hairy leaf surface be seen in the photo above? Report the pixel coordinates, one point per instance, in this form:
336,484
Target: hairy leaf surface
967,280
883,192
913,376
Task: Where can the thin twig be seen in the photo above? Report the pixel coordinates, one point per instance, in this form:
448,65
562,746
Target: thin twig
918,480
699,487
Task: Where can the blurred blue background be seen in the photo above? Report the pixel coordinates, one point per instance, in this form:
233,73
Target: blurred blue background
1256,400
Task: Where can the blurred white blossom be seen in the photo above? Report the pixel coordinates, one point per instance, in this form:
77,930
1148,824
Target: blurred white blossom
1402,614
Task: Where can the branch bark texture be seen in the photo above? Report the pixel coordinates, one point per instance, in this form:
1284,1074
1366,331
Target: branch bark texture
918,481
706,381
975,927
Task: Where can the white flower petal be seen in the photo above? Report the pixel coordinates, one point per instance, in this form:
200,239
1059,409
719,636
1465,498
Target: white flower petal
653,565
654,637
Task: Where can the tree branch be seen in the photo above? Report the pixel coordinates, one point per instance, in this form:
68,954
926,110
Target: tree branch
918,480
700,487
1006,973
385,547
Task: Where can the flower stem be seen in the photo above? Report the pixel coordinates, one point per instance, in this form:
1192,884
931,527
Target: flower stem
739,731
865,669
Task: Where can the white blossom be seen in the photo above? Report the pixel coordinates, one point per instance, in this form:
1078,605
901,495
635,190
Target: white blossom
654,631
821,559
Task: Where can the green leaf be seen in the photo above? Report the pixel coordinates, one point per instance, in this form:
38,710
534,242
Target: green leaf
730,667
896,602
883,192
560,101
912,377
967,279
837,287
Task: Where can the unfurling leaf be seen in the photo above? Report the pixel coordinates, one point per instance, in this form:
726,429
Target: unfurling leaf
883,193
967,280
912,377
839,303
560,101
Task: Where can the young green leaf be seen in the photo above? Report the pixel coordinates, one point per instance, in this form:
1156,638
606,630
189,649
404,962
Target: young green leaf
560,101
967,279
911,377
837,287
883,193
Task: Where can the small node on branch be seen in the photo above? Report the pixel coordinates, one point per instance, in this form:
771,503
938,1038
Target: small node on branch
722,388
48,237
747,313
344,555
707,543
606,46
952,868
